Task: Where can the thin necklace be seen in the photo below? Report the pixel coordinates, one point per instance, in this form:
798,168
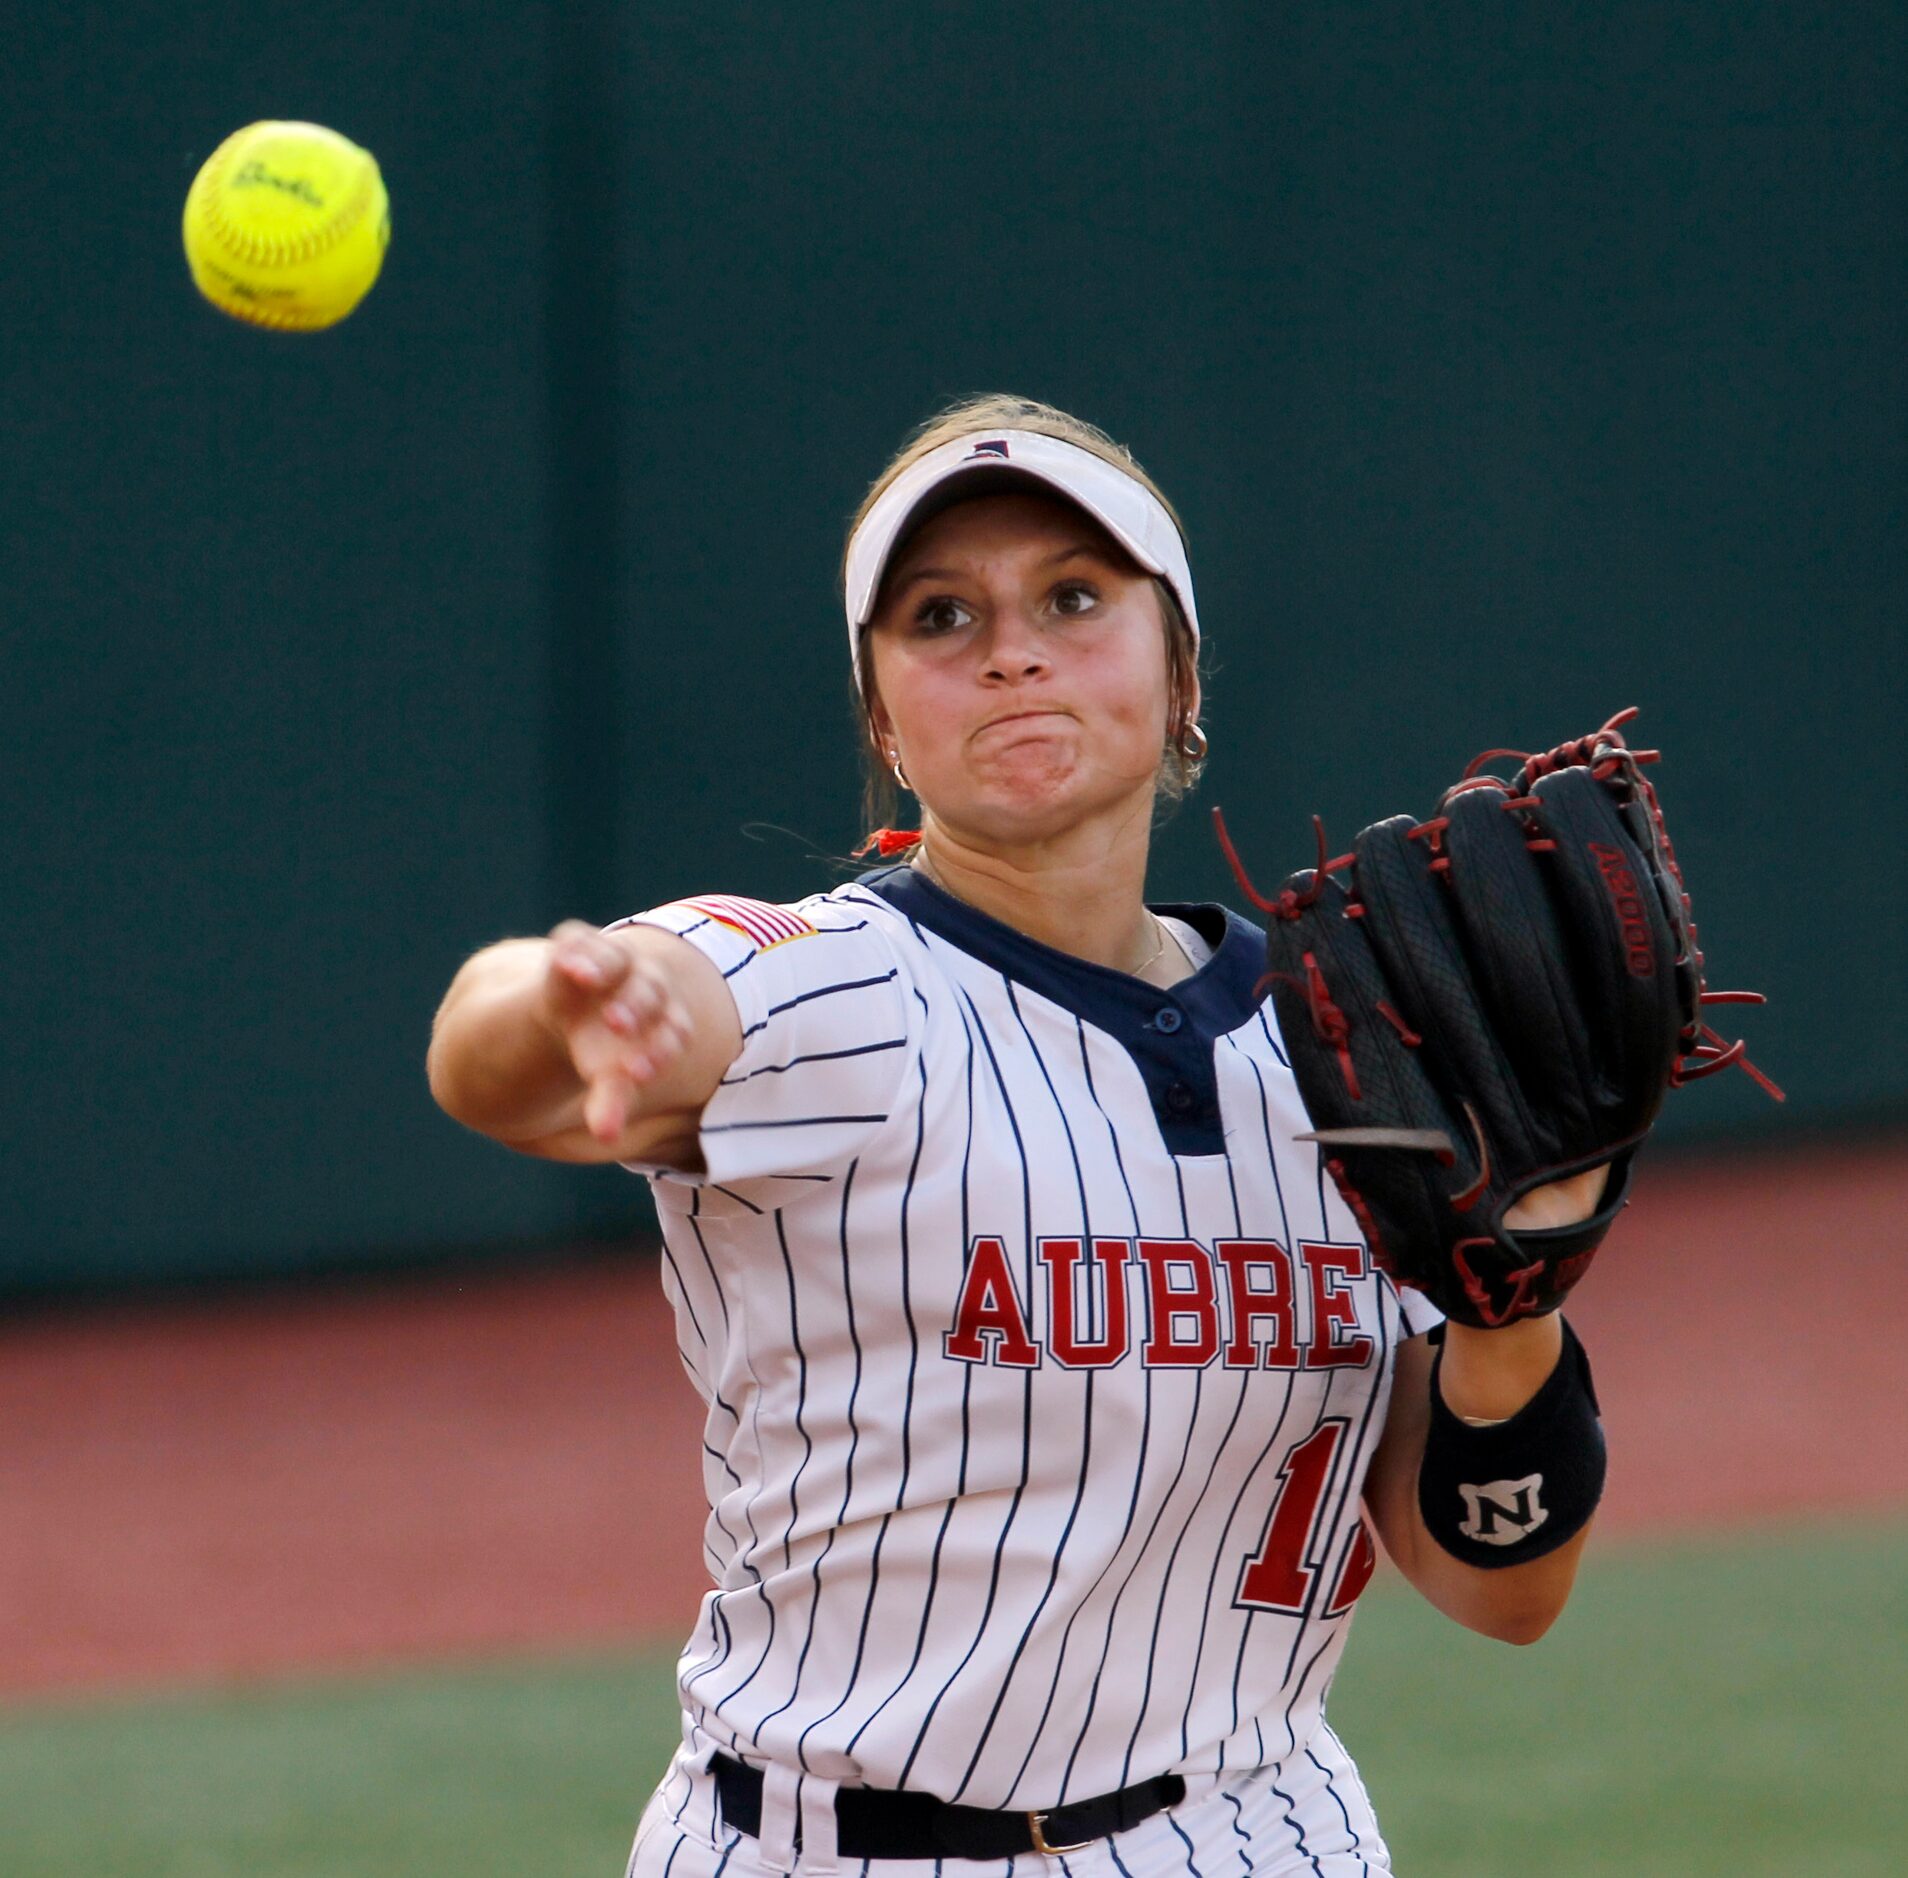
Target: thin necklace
1140,971
925,864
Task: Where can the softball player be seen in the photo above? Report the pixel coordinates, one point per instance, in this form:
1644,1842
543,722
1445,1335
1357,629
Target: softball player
1053,1399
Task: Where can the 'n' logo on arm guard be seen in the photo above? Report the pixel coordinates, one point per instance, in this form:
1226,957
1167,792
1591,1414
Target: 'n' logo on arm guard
1513,1490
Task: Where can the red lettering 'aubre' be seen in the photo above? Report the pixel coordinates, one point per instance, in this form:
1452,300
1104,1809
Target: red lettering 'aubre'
1259,1288
1337,1342
1171,1307
989,1323
1105,1280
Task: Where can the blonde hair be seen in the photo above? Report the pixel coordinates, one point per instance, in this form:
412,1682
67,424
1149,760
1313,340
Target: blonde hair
1002,410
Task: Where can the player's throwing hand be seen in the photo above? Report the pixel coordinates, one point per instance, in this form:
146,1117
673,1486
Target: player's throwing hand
618,1017
584,1045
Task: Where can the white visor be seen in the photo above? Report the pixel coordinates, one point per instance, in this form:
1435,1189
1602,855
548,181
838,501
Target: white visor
1121,504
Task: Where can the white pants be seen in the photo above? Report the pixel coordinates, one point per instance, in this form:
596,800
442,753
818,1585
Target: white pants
1306,1818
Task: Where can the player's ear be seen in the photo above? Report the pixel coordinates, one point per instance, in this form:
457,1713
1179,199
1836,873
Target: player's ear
1183,688
1186,657
1183,695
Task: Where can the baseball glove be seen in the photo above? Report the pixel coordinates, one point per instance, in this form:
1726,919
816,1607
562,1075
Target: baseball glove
1488,1000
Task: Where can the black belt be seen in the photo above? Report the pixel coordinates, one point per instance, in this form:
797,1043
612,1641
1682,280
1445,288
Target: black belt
873,1823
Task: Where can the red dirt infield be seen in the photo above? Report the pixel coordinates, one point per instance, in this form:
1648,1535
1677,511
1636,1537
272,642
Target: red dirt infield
450,1467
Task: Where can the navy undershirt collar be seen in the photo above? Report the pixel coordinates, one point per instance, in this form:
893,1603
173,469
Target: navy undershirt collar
1169,1032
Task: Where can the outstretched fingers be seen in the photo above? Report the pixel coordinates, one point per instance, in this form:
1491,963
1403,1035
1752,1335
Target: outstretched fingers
623,1025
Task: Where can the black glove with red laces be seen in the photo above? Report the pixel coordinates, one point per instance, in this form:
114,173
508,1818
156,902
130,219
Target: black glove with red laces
1489,1000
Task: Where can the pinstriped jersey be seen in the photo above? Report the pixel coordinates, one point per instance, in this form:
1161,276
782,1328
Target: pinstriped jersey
1043,1365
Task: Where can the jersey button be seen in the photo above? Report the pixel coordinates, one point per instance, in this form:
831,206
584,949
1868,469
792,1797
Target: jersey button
1168,1020
1180,1100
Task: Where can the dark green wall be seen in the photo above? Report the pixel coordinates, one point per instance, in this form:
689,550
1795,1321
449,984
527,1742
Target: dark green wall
1509,365
273,667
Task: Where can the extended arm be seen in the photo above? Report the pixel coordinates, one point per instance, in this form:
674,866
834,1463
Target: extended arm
586,1046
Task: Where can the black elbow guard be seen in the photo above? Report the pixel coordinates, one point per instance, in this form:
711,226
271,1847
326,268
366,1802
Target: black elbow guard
1514,1490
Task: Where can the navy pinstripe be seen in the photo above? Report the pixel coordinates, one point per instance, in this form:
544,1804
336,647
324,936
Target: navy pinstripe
808,1454
1132,1505
907,1423
1086,1426
1166,1500
1013,1507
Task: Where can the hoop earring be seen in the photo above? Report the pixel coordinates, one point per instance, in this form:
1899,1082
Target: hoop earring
900,775
1191,751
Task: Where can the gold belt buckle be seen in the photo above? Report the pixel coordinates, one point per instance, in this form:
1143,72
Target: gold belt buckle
1034,1823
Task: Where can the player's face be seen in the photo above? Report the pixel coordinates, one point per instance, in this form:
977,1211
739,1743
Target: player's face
1020,669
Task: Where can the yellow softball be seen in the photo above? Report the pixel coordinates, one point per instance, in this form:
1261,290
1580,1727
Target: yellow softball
286,226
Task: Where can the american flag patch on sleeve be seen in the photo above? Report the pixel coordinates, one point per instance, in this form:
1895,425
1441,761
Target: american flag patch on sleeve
756,920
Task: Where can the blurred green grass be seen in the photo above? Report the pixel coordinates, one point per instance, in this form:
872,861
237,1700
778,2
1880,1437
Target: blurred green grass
1736,1707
